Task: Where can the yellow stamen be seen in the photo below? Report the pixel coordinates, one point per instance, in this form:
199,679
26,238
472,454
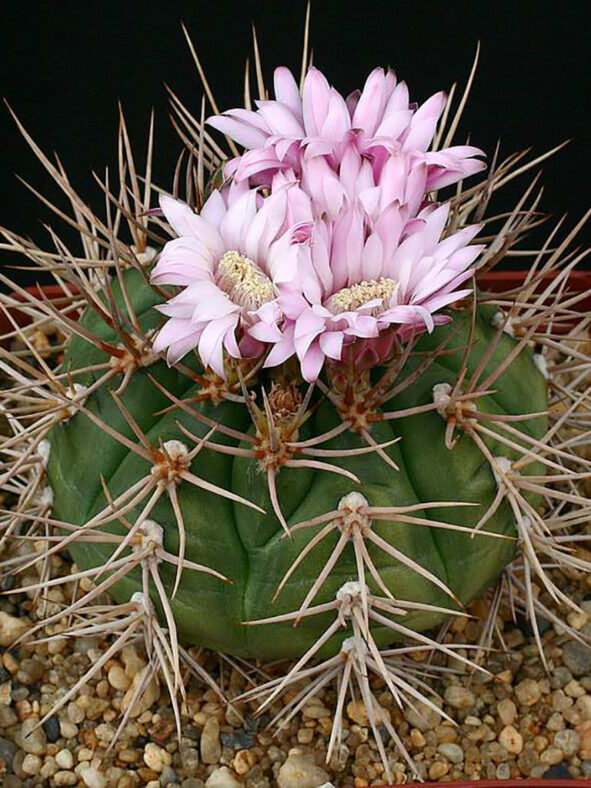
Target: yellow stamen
351,298
243,281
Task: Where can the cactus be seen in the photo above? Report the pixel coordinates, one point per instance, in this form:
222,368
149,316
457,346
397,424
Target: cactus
265,420
244,544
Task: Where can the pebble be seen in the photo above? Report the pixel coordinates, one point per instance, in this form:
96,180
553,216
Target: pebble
438,769
223,778
7,750
132,661
559,772
577,620
210,746
12,628
422,717
31,764
560,677
51,727
65,778
528,692
244,760
583,705
552,755
507,711
357,711
459,697
156,758
118,678
568,741
511,739
168,777
586,769
238,740
556,722
298,771
64,759
149,696
7,716
92,778
32,739
577,657
503,771
68,730
314,710
453,752
574,689
190,761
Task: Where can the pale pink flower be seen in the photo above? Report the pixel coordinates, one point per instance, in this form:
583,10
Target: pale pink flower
361,277
229,260
378,121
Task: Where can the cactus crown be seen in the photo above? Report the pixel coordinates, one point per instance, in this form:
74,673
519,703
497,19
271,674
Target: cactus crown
327,496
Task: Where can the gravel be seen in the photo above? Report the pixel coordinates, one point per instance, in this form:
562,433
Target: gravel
518,722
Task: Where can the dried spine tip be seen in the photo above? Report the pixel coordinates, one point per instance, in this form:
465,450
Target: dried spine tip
349,644
45,497
349,590
506,321
152,533
142,602
441,397
353,502
146,256
502,468
169,467
175,449
44,450
77,394
542,365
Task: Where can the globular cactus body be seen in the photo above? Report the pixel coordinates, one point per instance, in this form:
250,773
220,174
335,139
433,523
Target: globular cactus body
251,548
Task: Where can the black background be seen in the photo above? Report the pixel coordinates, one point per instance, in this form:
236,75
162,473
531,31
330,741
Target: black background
64,65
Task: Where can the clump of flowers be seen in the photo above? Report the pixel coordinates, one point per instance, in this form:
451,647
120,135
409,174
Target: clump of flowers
326,240
377,121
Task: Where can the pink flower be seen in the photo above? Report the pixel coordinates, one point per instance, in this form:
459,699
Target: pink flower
229,260
378,121
361,277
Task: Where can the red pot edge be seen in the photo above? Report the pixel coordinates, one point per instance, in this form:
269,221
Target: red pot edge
512,783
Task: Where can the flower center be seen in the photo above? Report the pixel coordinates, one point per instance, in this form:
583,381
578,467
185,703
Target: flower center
243,281
351,298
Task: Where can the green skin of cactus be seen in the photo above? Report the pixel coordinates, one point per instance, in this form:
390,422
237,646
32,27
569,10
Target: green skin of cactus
247,546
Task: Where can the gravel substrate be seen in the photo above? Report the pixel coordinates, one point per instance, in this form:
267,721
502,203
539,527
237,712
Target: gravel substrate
515,722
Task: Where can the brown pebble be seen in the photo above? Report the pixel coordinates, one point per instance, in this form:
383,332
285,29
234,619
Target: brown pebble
511,739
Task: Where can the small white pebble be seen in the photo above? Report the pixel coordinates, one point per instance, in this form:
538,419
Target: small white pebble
68,730
64,759
31,764
155,757
93,778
